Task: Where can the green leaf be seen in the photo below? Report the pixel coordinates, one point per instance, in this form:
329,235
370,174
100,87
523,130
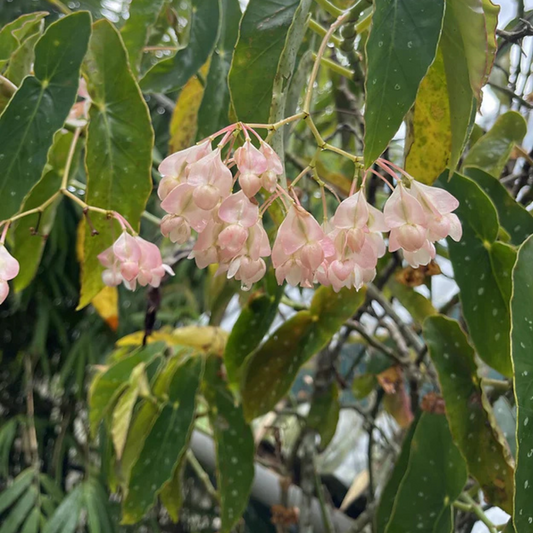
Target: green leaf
173,73
435,476
135,32
21,61
274,366
492,12
472,30
468,410
11,494
429,130
492,151
262,38
482,270
65,519
32,522
28,248
166,443
107,386
460,95
522,346
213,114
514,218
20,511
386,502
324,413
252,325
12,34
171,494
401,47
418,305
118,156
124,409
41,104
234,447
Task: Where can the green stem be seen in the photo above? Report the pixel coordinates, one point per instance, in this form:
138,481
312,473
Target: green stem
61,6
476,509
339,69
326,5
202,475
320,30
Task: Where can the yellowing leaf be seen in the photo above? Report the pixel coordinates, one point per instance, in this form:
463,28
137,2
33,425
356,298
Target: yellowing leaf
106,305
430,131
184,122
205,338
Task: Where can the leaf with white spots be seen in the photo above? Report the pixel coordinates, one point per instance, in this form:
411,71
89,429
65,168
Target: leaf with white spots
274,366
468,410
107,386
252,325
514,218
482,269
522,348
435,476
234,447
166,443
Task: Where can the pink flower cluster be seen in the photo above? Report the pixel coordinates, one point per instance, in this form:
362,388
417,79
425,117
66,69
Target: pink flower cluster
196,192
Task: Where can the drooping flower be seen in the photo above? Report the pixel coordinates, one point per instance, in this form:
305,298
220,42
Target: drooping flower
183,215
175,168
251,164
358,241
300,248
269,178
212,180
9,269
131,260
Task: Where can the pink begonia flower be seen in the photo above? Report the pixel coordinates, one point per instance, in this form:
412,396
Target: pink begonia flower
184,214
131,260
418,217
269,179
212,180
300,248
175,168
205,251
358,244
251,164
238,213
9,269
249,267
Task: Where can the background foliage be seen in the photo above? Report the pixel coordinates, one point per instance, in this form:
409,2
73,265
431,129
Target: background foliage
199,407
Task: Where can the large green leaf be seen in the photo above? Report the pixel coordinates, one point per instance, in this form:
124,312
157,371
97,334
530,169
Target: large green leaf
142,16
274,366
386,501
166,443
472,27
173,73
492,151
514,218
482,270
107,386
119,148
252,325
28,248
234,447
213,114
460,94
14,33
522,347
324,412
262,37
429,130
468,410
435,476
401,47
39,108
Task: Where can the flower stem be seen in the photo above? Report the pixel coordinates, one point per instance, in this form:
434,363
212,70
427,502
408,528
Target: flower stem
339,69
320,30
70,157
476,509
326,5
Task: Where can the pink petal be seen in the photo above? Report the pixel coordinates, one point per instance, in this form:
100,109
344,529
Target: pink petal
311,255
456,230
4,290
411,236
238,208
177,201
206,196
422,256
352,212
250,159
439,199
403,207
250,183
9,266
274,163
211,170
